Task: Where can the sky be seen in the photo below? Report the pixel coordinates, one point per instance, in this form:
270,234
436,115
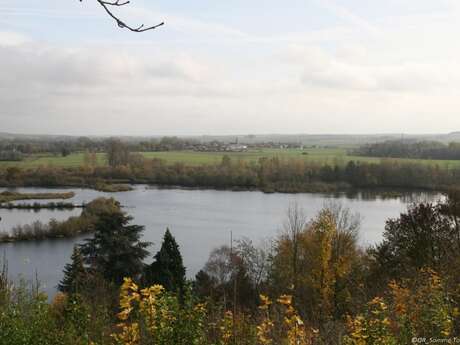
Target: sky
230,67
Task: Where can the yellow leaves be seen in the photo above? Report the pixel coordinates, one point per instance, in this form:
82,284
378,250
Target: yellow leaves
378,305
129,334
295,328
358,332
417,307
327,269
264,330
132,285
264,302
285,300
296,332
325,222
292,321
124,314
129,331
386,321
266,325
317,265
400,297
298,320
156,312
128,294
153,290
149,296
427,307
59,303
200,308
226,328
373,328
131,299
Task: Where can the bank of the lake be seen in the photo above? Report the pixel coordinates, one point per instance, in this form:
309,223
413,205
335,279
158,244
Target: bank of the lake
267,174
199,219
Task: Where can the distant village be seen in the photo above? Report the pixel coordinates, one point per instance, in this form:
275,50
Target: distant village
218,146
17,149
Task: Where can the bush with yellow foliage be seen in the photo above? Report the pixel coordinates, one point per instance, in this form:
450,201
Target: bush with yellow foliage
418,308
154,316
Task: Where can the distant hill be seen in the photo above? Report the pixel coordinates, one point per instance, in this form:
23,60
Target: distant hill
333,139
347,140
454,136
11,136
4,135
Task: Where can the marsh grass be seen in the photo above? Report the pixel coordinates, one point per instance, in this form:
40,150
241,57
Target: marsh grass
8,196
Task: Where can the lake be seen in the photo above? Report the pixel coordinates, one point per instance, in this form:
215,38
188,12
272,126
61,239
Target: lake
199,219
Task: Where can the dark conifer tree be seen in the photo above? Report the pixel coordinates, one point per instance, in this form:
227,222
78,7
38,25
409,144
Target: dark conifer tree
167,268
115,251
74,273
204,285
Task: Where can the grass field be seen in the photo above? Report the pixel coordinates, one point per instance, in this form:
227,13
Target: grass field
196,158
72,160
323,155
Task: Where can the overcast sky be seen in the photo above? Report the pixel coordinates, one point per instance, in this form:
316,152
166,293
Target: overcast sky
230,67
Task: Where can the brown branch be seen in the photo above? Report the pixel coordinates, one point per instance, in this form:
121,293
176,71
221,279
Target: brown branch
118,3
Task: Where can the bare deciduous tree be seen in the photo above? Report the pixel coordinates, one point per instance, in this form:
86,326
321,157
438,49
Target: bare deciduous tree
255,259
295,224
107,5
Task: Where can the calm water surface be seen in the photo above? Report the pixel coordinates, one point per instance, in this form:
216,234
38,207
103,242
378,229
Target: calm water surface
199,219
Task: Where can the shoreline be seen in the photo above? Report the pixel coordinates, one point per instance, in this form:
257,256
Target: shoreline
128,186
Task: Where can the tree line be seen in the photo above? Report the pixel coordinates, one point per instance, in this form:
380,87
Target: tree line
267,174
410,149
18,148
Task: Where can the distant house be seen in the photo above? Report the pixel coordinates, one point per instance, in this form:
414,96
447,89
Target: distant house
236,148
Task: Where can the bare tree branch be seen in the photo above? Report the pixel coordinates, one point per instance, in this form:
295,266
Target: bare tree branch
118,3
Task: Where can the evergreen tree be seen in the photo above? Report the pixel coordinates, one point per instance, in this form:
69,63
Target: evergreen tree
74,273
115,251
167,268
204,285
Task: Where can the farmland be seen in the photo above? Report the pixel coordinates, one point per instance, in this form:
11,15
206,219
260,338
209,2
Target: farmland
72,160
320,155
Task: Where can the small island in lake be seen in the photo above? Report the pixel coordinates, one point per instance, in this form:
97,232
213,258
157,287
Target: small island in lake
8,196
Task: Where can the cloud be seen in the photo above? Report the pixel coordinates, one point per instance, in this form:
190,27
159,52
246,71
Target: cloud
96,89
321,68
12,38
347,70
39,63
108,90
38,78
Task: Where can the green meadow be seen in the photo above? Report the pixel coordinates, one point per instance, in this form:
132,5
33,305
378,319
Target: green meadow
321,155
